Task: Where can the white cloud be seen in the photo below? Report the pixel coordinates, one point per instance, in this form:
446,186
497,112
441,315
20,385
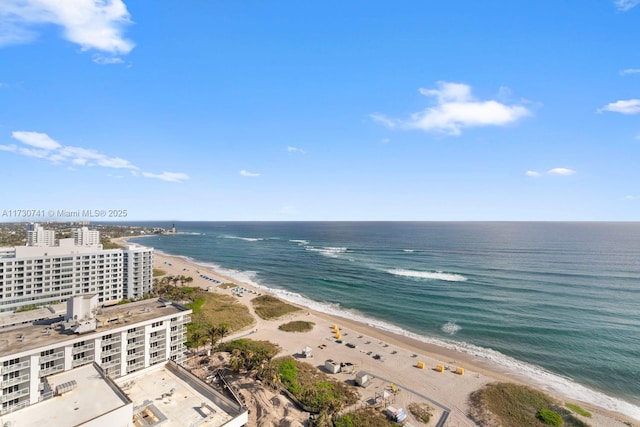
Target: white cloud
554,171
107,60
167,176
630,71
36,139
42,146
628,106
249,174
561,171
385,140
92,24
295,150
625,5
456,109
632,197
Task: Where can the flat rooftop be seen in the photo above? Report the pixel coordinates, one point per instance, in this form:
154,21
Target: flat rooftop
93,396
30,316
14,341
171,393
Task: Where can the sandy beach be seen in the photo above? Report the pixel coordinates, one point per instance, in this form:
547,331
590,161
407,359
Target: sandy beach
397,357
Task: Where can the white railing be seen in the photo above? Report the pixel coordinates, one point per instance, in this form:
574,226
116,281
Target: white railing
52,356
13,381
14,367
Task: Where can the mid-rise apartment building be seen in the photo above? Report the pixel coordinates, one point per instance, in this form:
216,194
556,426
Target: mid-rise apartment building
121,339
38,236
84,237
44,275
39,274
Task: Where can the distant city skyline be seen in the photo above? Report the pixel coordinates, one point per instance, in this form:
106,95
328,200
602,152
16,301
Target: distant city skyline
188,111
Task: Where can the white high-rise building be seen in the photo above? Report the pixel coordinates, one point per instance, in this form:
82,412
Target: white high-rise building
43,275
85,237
38,236
138,271
39,275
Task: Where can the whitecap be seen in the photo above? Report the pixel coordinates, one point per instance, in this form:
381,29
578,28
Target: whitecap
246,239
432,275
330,252
300,242
450,328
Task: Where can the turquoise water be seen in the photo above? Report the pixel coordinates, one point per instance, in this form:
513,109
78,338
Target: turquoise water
559,301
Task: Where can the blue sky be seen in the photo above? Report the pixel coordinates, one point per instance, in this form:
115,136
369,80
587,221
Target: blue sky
358,110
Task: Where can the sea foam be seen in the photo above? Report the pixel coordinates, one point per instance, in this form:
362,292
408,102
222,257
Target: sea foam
330,252
246,239
432,275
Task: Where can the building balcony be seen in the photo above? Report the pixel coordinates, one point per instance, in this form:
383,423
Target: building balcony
82,361
157,359
52,370
135,367
157,347
157,338
135,345
110,364
109,352
134,356
137,333
53,356
14,395
15,367
111,340
14,381
82,348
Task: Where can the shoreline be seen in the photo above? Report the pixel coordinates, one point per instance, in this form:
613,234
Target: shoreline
481,370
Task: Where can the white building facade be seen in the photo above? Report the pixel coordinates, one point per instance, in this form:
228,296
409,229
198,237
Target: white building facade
138,271
43,275
127,338
84,237
40,275
38,236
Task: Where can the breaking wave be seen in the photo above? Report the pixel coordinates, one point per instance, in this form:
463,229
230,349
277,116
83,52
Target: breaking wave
431,275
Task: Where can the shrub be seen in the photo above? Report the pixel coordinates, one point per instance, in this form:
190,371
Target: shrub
422,412
297,326
549,417
578,410
268,307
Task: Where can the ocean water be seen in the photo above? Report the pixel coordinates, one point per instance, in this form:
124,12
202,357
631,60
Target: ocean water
558,302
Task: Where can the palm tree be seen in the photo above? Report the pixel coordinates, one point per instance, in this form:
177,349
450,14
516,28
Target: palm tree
213,333
224,329
196,339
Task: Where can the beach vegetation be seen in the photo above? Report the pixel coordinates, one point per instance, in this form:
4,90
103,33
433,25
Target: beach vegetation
196,305
578,409
249,354
268,307
227,285
421,411
157,272
313,390
369,417
297,326
550,417
511,404
108,244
